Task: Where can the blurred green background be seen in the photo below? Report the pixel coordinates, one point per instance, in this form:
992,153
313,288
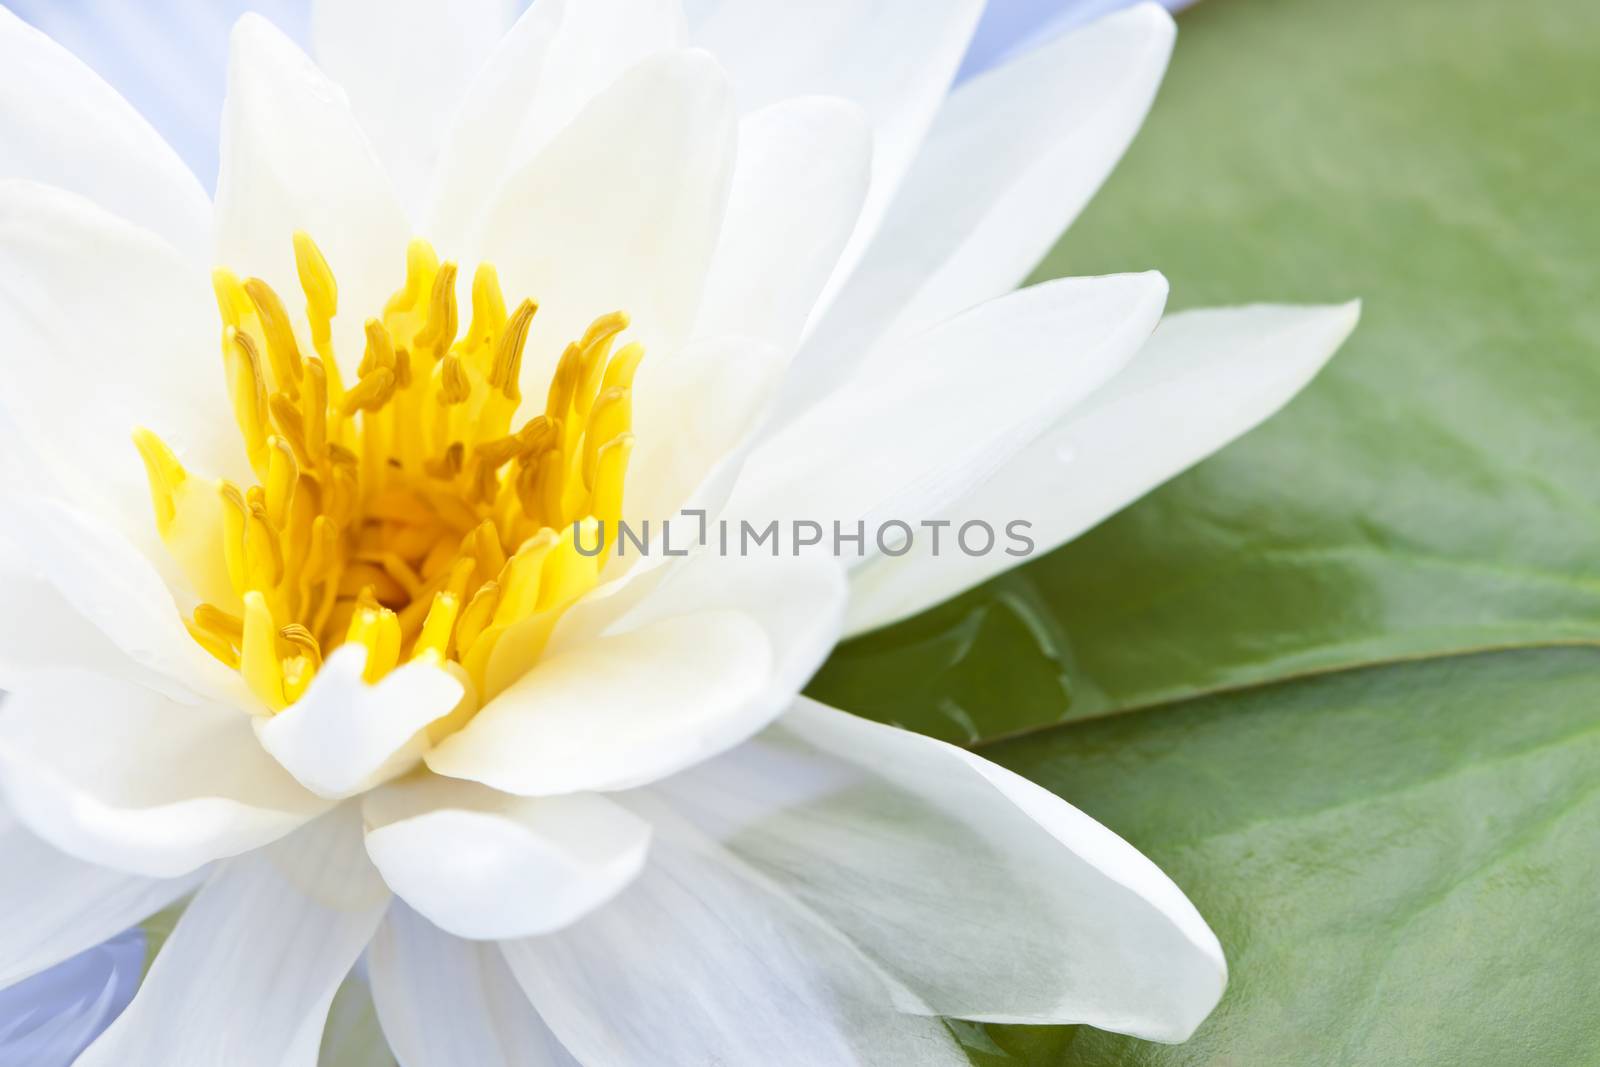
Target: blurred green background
1340,681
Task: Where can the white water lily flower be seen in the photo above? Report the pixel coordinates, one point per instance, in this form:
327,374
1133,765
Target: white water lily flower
353,686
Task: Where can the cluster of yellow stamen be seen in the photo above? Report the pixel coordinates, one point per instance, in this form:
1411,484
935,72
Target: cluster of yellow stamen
404,511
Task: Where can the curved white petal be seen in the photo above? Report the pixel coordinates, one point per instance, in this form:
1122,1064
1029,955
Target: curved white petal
1204,378
554,61
41,630
294,158
56,906
63,126
989,897
445,1002
797,601
406,65
250,971
345,735
599,41
695,413
105,327
801,177
620,212
486,865
116,774
713,648
478,146
1013,157
703,961
616,711
895,58
926,422
111,585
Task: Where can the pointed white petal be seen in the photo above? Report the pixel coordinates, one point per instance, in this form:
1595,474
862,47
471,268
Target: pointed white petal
445,1002
63,126
294,158
554,61
1204,378
478,145
925,423
616,711
114,587
345,735
116,774
620,211
406,65
1012,158
704,659
802,174
989,897
41,630
105,327
695,413
703,961
248,975
797,601
894,58
56,906
599,42
486,865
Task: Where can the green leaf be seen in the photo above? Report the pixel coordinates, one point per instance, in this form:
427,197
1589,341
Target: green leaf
1400,862
1341,681
1437,490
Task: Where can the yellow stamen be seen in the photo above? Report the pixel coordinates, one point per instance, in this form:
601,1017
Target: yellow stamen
258,660
377,629
248,386
403,514
282,349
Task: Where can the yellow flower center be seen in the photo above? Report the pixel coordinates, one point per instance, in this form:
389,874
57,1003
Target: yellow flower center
405,512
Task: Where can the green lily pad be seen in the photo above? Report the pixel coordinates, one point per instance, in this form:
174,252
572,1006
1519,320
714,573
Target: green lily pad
1400,861
1437,490
1342,681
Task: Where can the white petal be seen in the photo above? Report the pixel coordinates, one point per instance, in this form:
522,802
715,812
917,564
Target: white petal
616,711
599,41
63,126
487,865
479,144
56,906
554,61
119,775
105,327
1013,157
445,1002
406,65
620,211
114,587
344,735
248,975
711,650
695,413
926,422
797,601
989,897
703,961
895,58
40,629
294,158
803,170
1204,378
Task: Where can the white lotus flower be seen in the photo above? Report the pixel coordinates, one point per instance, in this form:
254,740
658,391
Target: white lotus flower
364,694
